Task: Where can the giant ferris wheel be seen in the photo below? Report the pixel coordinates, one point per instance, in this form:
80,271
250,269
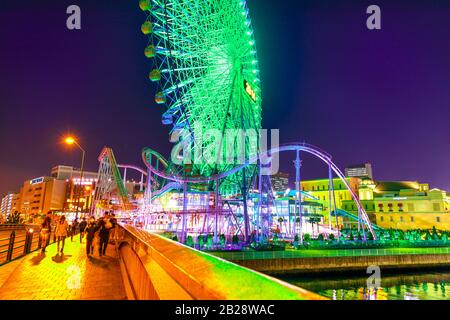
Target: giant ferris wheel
206,69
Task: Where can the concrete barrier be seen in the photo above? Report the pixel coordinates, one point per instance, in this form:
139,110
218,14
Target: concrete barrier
287,266
159,268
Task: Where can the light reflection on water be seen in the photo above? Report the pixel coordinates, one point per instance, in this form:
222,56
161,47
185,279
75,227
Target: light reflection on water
406,286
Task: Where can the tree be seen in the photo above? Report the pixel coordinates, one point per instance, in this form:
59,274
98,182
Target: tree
320,237
275,239
200,241
222,240
235,239
331,237
14,218
306,237
209,241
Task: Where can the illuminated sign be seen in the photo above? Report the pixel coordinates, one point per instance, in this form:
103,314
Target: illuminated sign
249,90
37,180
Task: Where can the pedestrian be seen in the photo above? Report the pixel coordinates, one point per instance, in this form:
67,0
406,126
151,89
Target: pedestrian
114,230
73,229
105,226
83,225
45,231
61,232
90,230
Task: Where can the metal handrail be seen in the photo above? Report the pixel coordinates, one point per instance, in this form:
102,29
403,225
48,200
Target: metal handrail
256,255
26,243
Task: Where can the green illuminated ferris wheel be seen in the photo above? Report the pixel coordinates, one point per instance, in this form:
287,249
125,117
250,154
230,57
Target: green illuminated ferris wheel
206,67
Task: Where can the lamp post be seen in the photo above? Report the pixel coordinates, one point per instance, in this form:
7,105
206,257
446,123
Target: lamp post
72,141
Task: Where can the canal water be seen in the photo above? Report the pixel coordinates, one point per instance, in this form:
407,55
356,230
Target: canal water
426,285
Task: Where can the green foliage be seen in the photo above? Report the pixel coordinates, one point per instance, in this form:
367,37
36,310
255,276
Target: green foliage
222,240
235,239
331,237
200,241
307,237
275,240
14,218
175,238
190,241
209,241
320,237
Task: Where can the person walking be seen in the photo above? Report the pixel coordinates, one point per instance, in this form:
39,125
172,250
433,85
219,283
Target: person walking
46,229
114,232
61,233
73,229
83,225
105,226
90,231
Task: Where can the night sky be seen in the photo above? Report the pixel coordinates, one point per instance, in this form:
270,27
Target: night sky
380,96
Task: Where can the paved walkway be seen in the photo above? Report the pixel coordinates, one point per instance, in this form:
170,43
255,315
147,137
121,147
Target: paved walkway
70,277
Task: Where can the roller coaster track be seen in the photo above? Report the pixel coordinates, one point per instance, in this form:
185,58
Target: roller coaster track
108,177
148,153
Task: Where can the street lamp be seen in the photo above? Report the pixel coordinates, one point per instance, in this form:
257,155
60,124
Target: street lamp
72,141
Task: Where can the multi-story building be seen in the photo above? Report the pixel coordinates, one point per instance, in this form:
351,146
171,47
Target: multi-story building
403,205
319,190
79,194
61,172
6,207
40,195
280,182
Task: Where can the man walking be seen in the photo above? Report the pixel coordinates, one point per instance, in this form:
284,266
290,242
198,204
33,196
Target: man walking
105,226
45,231
83,225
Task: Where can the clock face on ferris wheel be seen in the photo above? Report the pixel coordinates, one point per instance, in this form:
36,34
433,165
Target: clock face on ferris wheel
206,68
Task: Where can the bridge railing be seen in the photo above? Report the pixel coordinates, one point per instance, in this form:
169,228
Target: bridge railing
292,254
18,241
154,267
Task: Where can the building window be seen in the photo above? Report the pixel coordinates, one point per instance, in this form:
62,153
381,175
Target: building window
392,219
390,207
412,219
400,207
438,219
401,219
436,207
380,207
381,218
410,207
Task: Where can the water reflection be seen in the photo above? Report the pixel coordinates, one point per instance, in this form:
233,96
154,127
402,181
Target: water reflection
407,286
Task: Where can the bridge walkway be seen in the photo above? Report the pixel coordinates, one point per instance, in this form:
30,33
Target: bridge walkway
73,276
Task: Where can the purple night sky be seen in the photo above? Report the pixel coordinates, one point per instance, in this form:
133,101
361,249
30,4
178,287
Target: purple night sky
380,96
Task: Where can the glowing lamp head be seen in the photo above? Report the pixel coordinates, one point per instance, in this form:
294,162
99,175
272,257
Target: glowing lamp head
69,140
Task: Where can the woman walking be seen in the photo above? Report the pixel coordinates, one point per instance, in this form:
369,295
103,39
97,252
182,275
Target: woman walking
61,232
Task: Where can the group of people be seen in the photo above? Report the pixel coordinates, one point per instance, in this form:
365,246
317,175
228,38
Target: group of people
97,232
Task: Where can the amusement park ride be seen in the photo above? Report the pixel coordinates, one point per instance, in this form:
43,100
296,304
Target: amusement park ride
206,68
